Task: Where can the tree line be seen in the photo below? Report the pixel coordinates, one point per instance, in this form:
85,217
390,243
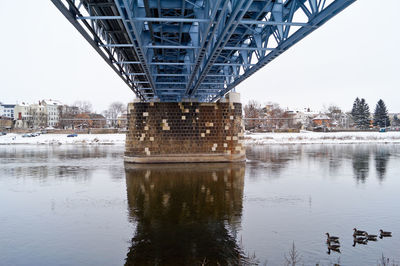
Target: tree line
83,110
362,116
272,116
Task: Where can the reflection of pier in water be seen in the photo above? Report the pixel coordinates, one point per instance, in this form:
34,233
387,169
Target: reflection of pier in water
185,213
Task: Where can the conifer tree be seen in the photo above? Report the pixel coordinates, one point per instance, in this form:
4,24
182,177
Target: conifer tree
396,121
355,111
364,115
381,117
360,113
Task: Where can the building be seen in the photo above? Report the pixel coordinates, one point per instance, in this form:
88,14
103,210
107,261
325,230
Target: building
66,116
304,117
21,115
122,120
322,120
345,120
37,116
82,121
7,110
51,108
89,120
98,120
6,122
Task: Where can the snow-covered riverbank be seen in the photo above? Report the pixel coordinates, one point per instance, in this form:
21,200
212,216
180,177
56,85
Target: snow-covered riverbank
250,139
322,138
58,139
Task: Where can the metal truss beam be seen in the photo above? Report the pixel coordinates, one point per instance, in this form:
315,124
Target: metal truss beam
318,19
186,20
200,49
95,41
134,36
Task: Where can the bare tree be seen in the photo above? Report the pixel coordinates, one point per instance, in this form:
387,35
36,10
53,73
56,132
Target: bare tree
336,115
67,114
274,115
83,106
114,110
252,112
334,112
37,118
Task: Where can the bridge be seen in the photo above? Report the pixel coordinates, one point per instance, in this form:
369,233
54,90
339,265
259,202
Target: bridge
182,59
198,49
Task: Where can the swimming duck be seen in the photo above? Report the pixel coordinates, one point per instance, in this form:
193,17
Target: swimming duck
358,232
385,233
332,238
370,237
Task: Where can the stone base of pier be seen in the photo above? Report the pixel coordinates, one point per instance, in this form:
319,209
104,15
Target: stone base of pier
161,132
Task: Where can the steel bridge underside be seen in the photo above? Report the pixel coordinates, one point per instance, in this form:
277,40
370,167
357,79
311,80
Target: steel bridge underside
173,50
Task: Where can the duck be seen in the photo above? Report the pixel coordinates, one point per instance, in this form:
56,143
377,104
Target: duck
370,237
358,232
332,238
385,233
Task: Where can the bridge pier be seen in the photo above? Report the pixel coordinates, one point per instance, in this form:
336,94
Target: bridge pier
167,132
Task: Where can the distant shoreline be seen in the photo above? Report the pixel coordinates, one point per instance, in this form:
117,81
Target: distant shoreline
322,138
249,138
62,139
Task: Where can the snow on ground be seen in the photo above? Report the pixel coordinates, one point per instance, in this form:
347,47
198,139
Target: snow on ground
309,137
250,139
58,139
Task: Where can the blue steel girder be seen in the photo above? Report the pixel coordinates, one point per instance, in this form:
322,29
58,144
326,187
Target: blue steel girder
199,49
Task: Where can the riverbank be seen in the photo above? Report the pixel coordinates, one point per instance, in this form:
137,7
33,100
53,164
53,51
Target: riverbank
322,138
250,139
59,139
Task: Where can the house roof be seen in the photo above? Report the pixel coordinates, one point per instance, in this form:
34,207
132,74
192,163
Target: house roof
51,102
22,104
322,117
8,105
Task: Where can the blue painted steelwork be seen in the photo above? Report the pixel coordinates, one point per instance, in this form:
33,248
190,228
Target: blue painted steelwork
198,49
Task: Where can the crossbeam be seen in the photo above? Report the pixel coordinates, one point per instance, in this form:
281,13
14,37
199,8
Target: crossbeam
172,50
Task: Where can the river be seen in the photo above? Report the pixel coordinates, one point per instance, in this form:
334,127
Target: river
80,205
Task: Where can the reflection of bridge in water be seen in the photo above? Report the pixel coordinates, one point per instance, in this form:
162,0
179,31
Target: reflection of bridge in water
185,214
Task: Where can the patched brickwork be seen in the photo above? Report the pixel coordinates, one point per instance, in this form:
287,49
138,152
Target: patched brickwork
184,128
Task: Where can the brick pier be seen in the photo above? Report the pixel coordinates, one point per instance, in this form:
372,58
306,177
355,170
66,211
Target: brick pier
160,132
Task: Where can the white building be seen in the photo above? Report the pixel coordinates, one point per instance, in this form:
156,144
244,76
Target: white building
53,116
37,116
305,116
21,115
7,110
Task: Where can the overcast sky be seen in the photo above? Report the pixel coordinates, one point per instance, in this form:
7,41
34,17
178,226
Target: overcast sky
354,54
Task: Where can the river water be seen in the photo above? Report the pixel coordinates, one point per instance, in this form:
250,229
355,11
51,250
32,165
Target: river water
80,205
